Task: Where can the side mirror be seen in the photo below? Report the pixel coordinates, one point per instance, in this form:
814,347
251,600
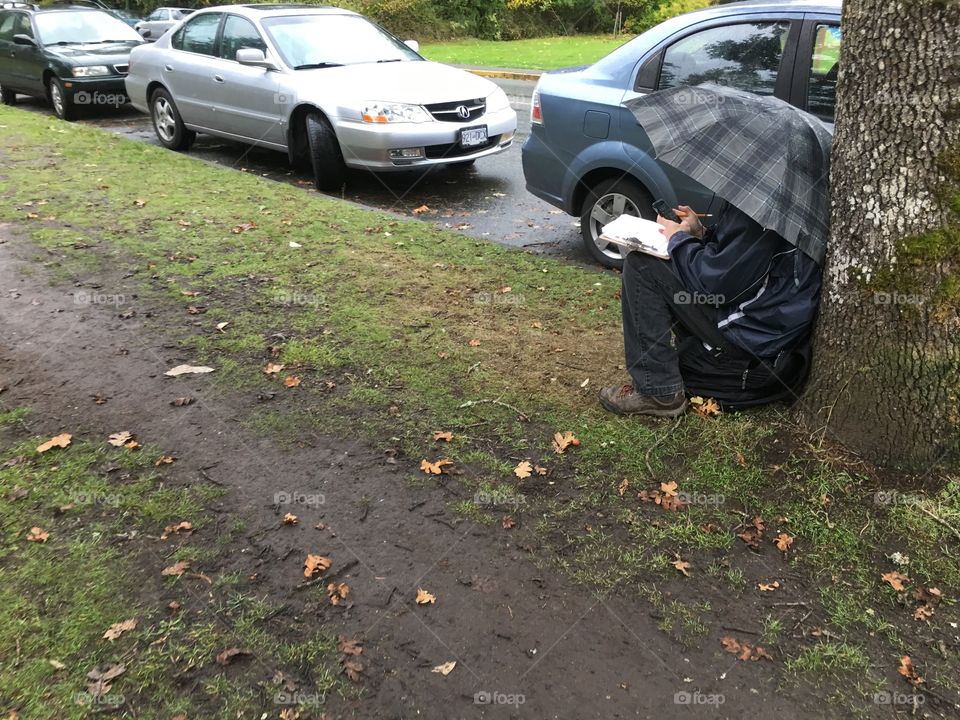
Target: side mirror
255,57
145,34
22,39
413,45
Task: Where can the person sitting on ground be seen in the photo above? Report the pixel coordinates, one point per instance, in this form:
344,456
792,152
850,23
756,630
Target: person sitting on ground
743,294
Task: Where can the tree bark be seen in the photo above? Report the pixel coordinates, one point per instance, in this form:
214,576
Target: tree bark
886,376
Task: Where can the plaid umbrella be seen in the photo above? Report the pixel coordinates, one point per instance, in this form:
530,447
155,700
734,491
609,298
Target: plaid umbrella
759,153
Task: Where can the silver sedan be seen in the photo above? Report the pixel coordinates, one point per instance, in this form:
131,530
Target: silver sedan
326,86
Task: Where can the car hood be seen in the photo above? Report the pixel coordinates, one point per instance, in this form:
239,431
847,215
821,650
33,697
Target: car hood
94,54
415,82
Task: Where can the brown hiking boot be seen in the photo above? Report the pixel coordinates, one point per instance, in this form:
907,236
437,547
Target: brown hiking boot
625,400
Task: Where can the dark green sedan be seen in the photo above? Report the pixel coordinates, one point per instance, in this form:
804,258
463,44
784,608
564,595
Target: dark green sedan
72,56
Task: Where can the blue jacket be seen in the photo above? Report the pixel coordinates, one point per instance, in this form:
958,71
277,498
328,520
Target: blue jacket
766,290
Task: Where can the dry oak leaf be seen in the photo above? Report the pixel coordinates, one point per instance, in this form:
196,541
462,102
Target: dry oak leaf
907,670
289,519
228,655
508,523
337,592
316,564
446,668
348,646
682,566
164,460
37,535
102,676
243,227
291,381
177,569
60,441
783,542
353,669
441,435
753,534
118,629
523,470
425,598
273,368
119,439
420,210
924,612
434,468
705,407
743,651
561,441
474,343
669,489
183,525
622,487
769,587
895,579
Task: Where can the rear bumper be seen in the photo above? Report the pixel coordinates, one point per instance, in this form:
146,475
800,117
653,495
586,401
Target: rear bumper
545,173
368,146
96,92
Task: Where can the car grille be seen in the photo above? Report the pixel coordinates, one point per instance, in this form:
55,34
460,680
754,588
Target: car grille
454,150
451,111
121,69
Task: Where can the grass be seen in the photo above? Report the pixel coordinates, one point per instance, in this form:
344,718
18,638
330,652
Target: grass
547,53
379,318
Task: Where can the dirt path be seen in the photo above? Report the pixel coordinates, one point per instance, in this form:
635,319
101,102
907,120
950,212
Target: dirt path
514,629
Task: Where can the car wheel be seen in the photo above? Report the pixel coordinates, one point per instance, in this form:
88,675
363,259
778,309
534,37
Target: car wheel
7,97
329,171
62,103
606,201
167,123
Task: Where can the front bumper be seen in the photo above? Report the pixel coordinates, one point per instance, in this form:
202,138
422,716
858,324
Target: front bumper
107,91
368,146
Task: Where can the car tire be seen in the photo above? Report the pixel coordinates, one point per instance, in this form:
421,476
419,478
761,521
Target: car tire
61,101
604,202
7,96
167,123
326,158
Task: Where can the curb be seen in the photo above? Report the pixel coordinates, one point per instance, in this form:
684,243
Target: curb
504,74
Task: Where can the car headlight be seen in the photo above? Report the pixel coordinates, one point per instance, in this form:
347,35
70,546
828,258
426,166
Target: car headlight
90,70
394,113
498,101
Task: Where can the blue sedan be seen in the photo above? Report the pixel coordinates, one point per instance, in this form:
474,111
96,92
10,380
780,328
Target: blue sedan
587,155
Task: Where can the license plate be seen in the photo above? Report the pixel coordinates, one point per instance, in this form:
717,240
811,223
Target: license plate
471,137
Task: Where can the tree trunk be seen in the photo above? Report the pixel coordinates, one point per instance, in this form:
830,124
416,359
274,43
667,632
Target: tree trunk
886,378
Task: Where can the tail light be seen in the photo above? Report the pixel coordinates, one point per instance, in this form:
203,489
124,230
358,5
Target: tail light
536,111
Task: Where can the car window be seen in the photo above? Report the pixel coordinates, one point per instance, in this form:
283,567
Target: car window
825,61
81,26
155,15
6,25
199,35
239,33
22,26
745,56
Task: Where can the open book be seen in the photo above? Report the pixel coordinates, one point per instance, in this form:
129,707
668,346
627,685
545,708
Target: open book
634,233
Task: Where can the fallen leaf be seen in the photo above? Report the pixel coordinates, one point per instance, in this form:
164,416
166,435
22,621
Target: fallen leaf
446,668
188,370
744,651
907,670
120,439
289,519
523,470
924,612
669,489
783,542
353,669
536,325
182,526
681,565
895,579
420,210
441,435
60,441
291,381
348,646
243,227
177,569
434,468
118,629
753,535
425,598
182,401
164,460
190,293
561,441
768,587
222,326
705,407
474,343
337,592
273,368
57,664
102,677
508,523
37,535
622,487
228,655
316,564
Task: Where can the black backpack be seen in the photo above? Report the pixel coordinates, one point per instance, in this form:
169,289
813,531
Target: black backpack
737,379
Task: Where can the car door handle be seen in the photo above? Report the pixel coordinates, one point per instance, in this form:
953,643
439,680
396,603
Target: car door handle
218,78
168,68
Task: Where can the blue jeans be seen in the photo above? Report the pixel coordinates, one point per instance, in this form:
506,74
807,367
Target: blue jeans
654,302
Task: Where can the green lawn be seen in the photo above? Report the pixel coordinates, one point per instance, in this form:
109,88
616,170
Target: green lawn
546,53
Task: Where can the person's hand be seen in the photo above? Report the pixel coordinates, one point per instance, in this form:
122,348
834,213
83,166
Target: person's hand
689,223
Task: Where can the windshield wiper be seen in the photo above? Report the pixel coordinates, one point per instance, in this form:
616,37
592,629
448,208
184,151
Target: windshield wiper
391,60
313,66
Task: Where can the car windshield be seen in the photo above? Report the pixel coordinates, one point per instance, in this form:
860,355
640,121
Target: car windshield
311,41
85,27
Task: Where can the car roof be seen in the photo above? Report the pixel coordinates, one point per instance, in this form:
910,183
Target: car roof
268,9
781,5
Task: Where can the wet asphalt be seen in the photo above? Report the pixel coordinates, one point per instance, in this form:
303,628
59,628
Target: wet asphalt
488,200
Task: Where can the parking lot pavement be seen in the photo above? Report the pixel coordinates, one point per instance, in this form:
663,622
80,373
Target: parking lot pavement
488,200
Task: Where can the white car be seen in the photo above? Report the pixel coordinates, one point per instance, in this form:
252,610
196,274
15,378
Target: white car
325,85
